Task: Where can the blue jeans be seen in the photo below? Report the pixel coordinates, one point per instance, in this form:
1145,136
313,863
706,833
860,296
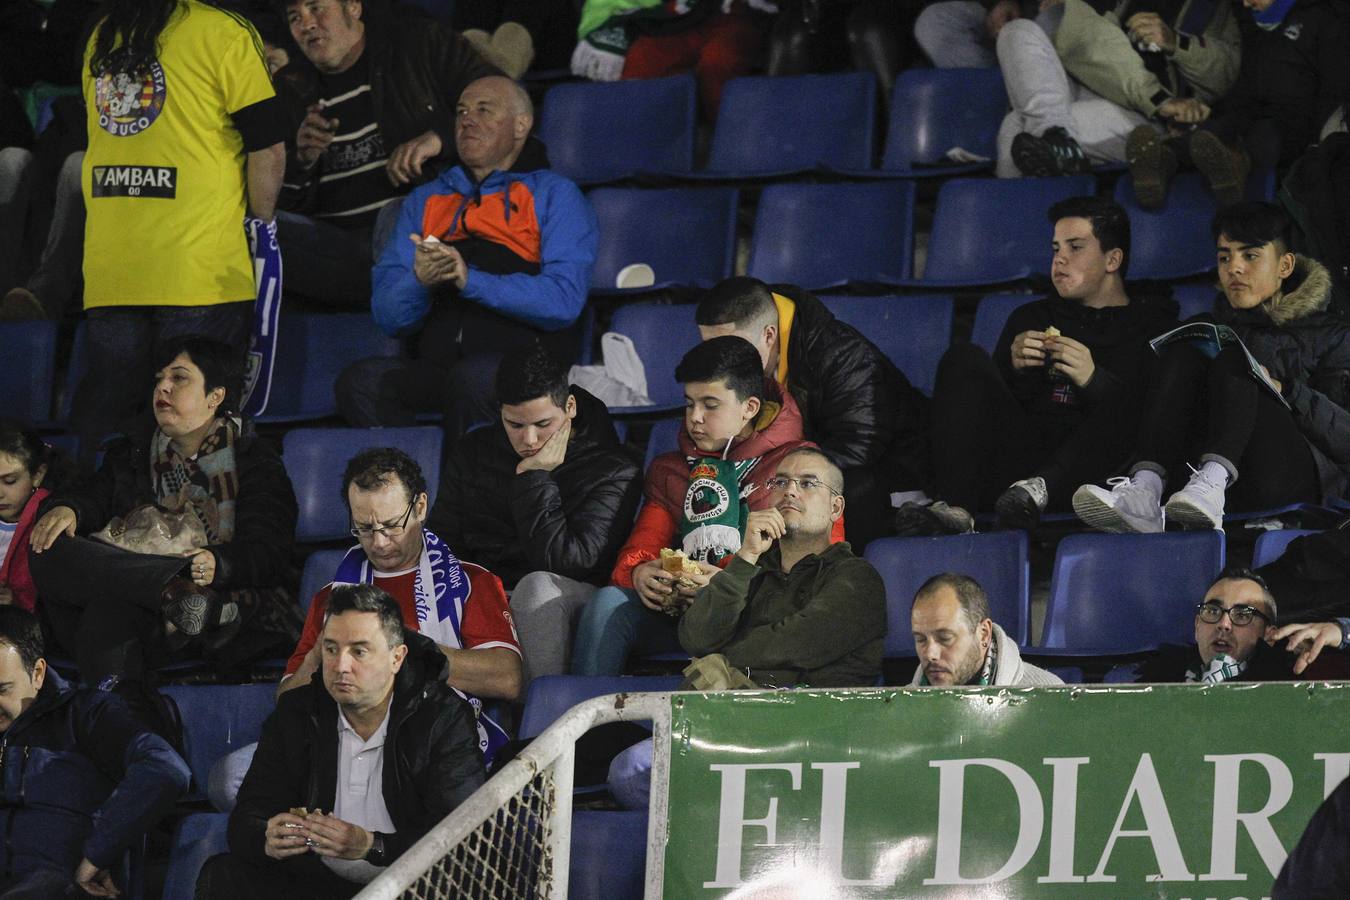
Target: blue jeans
614,624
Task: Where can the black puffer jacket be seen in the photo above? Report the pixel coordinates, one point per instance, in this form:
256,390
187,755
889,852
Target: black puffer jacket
570,521
264,518
1318,868
418,69
1294,74
81,778
1307,350
855,404
1118,337
431,758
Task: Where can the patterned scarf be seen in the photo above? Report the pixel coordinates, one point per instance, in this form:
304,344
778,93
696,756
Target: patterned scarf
1221,668
441,589
207,484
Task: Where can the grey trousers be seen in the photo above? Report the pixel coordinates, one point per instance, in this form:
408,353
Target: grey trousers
545,608
952,35
1043,96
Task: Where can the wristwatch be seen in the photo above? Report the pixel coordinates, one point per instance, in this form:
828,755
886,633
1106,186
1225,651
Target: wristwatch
375,855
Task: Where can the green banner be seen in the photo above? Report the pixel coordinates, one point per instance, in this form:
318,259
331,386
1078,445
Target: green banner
1170,791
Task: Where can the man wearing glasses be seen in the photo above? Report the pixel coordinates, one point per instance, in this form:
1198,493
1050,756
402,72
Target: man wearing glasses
460,606
1230,627
792,609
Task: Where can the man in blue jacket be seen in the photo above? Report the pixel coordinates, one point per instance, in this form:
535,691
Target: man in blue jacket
493,254
83,780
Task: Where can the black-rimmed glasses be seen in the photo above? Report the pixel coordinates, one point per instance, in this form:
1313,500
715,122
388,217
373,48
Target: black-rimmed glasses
366,532
1212,613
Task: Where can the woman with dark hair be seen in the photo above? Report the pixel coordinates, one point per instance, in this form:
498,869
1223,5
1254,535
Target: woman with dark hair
1280,419
185,136
28,467
119,610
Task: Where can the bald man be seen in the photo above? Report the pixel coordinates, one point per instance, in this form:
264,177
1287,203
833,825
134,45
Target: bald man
492,255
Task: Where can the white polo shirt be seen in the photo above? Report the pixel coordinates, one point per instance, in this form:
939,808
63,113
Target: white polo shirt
360,792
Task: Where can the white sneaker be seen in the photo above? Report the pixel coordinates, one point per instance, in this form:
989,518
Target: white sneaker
1127,508
1199,504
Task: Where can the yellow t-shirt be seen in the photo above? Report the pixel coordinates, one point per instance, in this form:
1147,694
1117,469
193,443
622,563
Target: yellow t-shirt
163,178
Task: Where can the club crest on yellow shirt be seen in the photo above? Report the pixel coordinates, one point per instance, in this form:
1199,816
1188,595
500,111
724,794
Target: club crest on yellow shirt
129,103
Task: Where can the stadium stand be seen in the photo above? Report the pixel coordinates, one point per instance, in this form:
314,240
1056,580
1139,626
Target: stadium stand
1271,545
661,334
913,331
28,371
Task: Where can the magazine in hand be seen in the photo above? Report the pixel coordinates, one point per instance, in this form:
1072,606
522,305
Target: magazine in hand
1210,338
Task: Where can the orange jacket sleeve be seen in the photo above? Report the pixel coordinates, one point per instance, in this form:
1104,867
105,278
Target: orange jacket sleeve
655,528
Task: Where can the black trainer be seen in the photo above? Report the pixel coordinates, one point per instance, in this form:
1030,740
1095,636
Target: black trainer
1053,153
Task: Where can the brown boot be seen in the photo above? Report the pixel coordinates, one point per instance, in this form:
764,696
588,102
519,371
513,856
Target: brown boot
1152,165
1224,167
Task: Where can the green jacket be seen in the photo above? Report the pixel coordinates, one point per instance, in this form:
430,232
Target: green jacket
1096,50
820,625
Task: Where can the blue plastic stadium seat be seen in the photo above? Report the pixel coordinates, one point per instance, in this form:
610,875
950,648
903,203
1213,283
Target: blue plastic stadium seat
996,559
995,230
312,351
1271,545
316,457
609,855
549,696
665,437
935,110
992,314
27,369
1194,299
198,837
219,719
789,124
598,132
320,566
662,334
687,235
820,236
1123,593
1174,241
913,331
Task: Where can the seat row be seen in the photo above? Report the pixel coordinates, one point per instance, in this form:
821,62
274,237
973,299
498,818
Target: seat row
314,348
771,127
825,236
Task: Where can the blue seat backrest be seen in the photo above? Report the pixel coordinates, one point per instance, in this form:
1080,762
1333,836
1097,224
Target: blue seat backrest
316,457
549,696
319,569
597,132
1174,241
913,331
988,230
820,236
768,126
312,351
661,334
991,315
935,110
1121,593
27,369
1271,545
687,235
997,560
219,719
